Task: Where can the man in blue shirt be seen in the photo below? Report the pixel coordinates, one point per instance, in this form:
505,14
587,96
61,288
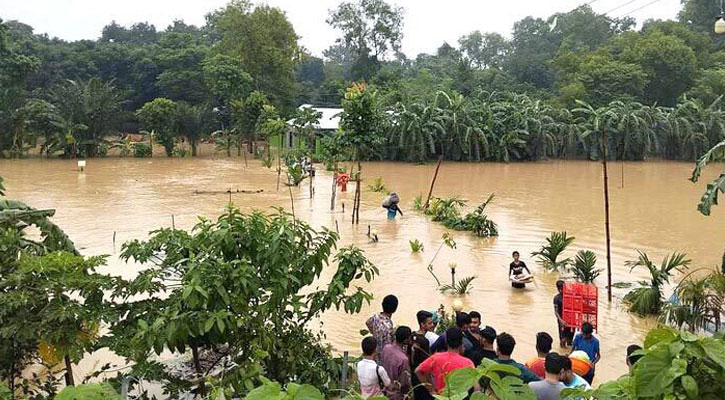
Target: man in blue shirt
586,342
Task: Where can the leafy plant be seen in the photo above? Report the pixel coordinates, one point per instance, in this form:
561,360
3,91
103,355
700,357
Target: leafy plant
89,391
549,254
583,267
418,203
674,365
243,282
648,299
699,302
378,186
2,187
709,198
462,287
416,246
293,391
295,175
141,150
479,223
503,383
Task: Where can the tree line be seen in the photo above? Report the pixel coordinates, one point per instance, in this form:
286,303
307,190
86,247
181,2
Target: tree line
515,98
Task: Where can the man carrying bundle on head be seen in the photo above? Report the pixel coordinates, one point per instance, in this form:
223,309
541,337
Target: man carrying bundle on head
391,204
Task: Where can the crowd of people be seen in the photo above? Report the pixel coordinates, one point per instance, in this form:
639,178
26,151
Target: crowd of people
405,364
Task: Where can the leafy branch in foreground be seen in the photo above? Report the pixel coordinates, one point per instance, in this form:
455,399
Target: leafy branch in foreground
674,365
710,197
239,289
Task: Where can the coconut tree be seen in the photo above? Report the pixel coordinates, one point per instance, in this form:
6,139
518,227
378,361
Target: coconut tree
548,255
648,298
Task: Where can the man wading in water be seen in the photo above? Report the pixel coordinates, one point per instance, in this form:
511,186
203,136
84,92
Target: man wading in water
516,269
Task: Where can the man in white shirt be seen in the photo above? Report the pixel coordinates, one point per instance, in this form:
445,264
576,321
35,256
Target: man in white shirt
425,325
372,377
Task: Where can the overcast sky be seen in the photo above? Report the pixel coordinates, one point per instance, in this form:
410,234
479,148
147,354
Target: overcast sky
428,23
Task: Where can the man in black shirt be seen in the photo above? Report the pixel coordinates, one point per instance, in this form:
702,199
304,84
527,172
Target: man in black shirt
566,334
516,268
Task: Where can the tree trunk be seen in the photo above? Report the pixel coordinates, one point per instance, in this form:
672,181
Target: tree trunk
606,213
193,147
69,381
197,368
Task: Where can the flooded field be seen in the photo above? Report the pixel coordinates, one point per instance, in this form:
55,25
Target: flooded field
653,208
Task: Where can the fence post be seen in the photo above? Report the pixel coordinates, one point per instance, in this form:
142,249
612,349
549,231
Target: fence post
345,356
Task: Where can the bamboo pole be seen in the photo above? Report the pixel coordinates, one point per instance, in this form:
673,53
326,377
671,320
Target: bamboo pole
279,161
334,188
433,182
606,212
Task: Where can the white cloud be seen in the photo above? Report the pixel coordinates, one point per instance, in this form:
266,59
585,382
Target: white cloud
428,23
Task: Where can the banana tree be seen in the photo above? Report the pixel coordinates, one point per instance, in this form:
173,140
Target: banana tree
66,138
416,128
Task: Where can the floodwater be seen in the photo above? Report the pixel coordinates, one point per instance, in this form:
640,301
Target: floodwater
653,208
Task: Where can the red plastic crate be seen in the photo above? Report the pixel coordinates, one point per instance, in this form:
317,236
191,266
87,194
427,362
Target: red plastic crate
580,304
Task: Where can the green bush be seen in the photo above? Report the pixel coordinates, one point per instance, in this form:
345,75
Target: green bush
141,150
90,391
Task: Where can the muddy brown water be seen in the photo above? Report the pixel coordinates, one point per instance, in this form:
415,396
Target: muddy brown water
654,211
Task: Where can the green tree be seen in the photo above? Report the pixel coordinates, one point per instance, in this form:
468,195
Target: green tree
159,116
700,16
485,50
549,253
192,122
245,116
669,63
180,59
709,86
94,107
370,29
226,79
265,42
243,281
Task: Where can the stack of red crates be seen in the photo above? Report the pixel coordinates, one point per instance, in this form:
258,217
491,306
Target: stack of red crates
580,304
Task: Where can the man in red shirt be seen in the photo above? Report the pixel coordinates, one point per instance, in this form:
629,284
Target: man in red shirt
443,363
543,347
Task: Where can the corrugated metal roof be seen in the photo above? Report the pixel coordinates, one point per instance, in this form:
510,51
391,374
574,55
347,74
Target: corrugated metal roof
330,119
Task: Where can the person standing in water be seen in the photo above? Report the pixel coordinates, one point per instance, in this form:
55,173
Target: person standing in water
391,204
516,268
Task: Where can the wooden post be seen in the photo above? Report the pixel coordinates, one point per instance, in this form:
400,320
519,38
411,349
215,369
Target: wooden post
279,160
173,222
433,182
606,212
334,188
345,357
245,156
